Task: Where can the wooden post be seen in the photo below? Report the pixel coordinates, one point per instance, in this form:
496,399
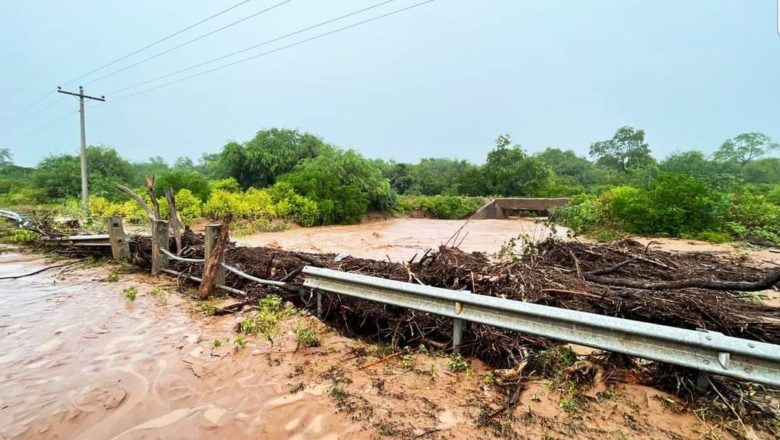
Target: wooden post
159,241
120,248
213,250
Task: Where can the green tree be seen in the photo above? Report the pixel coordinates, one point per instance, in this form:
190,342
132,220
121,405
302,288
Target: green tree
626,150
509,171
270,154
5,157
344,185
60,175
745,147
182,178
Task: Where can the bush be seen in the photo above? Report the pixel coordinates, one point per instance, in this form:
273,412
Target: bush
188,205
259,203
222,203
228,185
442,207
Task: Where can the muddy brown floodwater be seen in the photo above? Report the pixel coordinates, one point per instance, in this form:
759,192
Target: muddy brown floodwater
79,361
400,239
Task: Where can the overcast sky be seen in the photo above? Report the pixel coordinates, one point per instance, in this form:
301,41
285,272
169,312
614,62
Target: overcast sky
440,80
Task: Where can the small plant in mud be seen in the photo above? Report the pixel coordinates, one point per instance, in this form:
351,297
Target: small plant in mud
113,276
457,363
338,394
131,293
568,404
217,343
307,337
407,359
488,378
266,321
161,295
239,343
433,371
387,430
208,308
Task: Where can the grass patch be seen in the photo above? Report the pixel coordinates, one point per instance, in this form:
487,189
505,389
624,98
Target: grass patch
307,337
457,363
113,276
130,293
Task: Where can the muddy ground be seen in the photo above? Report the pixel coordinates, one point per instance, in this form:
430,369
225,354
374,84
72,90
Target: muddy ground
80,360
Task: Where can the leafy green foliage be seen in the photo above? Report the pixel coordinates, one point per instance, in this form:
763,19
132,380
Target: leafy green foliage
745,148
60,175
180,179
510,172
307,337
443,207
272,153
343,184
625,151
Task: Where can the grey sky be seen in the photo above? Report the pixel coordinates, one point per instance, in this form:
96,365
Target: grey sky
441,80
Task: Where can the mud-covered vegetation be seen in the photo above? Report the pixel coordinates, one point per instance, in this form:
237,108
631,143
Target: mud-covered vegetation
283,176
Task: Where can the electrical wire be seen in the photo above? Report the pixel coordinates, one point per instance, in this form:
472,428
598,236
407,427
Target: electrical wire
266,42
55,121
243,60
186,43
150,45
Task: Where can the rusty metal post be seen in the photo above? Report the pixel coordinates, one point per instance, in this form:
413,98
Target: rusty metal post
120,248
457,334
212,232
160,240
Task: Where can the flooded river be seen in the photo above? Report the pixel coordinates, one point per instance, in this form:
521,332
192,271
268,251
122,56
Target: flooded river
401,239
79,361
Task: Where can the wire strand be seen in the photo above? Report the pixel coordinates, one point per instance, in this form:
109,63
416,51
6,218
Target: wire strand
266,42
243,60
186,43
150,45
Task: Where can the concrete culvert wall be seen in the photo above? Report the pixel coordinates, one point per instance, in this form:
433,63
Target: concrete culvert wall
509,207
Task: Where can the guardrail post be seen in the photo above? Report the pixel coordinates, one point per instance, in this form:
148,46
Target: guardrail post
457,334
319,304
120,248
160,240
212,232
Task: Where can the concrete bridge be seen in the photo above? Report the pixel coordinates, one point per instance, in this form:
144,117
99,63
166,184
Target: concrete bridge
512,207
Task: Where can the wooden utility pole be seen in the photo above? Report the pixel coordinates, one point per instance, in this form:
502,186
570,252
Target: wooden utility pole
84,186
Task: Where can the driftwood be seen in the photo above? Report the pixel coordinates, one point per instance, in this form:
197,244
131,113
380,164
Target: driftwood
130,193
171,197
150,189
767,282
209,279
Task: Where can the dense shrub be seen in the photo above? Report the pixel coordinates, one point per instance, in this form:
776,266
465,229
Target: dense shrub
228,185
222,203
443,207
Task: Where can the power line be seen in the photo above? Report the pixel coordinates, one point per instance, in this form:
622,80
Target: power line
200,37
43,127
194,66
124,57
243,60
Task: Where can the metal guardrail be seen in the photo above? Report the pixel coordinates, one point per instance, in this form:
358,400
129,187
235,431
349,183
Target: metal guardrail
18,218
250,277
173,256
706,351
198,280
80,240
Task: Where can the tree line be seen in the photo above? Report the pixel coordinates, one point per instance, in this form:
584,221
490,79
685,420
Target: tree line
325,184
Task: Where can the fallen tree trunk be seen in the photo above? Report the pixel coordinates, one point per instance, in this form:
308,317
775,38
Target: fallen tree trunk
744,286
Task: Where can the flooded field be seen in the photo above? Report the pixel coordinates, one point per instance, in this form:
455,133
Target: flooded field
401,239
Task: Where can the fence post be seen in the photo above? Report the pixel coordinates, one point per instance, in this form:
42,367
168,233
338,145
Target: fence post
212,232
160,240
120,248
